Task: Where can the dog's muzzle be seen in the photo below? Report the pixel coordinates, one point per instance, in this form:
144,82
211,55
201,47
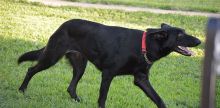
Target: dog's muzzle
183,50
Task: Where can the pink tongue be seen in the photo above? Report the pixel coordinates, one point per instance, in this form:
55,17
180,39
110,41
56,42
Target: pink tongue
191,52
187,50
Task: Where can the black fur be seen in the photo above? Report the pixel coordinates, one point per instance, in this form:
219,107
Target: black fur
113,50
30,56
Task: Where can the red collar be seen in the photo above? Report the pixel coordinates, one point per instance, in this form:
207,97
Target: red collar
144,47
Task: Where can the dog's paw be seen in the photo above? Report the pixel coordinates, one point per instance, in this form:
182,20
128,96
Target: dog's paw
73,95
77,99
21,90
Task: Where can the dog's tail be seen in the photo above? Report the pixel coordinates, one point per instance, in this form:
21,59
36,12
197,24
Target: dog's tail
30,56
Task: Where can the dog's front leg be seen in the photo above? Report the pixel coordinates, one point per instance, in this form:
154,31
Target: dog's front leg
142,81
105,84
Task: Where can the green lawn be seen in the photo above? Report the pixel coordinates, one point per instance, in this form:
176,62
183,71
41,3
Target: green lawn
189,5
25,27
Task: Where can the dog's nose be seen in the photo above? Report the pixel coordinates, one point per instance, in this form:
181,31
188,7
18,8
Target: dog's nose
197,42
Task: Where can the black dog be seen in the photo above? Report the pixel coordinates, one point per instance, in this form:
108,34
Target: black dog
113,50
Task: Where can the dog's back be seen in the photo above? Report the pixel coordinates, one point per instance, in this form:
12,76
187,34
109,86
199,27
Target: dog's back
98,42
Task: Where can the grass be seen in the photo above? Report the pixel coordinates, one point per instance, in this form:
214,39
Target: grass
25,27
189,5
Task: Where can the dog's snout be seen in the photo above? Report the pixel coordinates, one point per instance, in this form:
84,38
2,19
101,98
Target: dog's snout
197,42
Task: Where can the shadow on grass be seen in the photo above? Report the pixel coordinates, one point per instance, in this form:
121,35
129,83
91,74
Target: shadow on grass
44,90
10,50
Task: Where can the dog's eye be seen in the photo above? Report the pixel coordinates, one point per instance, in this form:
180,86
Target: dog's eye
180,35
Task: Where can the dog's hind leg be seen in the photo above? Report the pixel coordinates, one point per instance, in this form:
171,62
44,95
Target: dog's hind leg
52,53
44,63
78,62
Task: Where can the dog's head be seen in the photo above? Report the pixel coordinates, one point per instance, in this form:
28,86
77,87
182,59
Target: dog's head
168,39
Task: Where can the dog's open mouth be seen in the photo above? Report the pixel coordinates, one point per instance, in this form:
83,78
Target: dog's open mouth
183,50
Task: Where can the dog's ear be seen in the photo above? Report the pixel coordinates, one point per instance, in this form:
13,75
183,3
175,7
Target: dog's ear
157,33
165,26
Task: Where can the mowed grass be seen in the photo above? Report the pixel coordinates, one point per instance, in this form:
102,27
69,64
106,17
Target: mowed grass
25,27
188,5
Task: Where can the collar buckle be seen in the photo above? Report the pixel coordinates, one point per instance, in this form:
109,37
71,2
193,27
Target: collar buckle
146,59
